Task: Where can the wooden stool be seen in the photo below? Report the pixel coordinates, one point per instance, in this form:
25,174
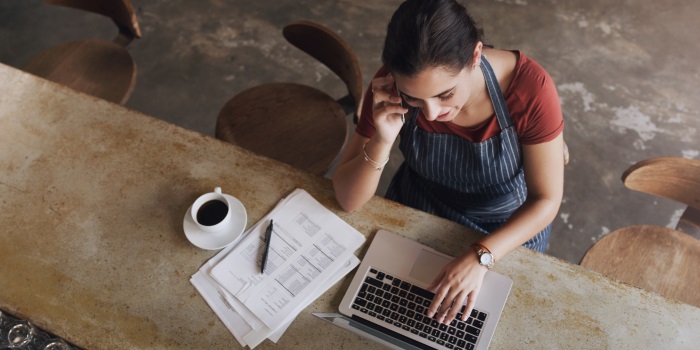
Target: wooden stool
677,179
293,123
658,259
99,68
654,258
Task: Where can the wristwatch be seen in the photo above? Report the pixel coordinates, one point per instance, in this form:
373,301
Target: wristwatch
484,255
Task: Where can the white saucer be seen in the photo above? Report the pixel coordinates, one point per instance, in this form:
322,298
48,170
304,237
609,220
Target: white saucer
217,240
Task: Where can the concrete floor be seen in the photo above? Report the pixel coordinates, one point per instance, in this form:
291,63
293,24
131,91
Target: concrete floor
627,74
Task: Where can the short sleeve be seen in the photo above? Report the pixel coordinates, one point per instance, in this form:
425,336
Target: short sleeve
538,117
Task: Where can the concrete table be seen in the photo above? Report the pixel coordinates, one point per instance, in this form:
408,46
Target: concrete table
92,200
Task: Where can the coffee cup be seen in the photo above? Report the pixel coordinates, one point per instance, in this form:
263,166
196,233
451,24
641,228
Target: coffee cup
211,212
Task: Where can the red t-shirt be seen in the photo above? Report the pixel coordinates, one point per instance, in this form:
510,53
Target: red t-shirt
531,98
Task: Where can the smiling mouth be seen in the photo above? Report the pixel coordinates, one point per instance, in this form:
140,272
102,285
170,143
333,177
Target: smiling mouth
443,116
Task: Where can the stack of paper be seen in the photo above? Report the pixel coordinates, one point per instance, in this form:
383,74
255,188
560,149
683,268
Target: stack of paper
311,249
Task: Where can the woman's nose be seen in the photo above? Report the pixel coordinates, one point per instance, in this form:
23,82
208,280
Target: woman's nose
431,110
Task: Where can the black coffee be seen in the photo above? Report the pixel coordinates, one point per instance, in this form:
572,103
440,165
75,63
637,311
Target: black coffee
212,212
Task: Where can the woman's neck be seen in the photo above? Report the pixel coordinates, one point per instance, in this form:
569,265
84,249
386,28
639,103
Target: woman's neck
478,110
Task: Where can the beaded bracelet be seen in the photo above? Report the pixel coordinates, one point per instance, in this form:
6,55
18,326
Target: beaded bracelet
377,165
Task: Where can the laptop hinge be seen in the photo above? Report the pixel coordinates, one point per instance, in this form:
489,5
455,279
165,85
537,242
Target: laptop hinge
405,342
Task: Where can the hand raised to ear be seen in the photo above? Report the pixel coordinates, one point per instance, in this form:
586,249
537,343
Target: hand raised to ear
386,109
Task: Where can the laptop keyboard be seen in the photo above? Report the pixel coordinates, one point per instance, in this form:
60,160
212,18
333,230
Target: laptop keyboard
400,304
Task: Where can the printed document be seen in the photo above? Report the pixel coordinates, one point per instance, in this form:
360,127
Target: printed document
311,249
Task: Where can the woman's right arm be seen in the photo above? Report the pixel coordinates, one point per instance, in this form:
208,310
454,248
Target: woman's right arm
356,178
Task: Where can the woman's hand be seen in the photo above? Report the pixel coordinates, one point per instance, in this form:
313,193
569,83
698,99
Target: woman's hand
458,283
386,109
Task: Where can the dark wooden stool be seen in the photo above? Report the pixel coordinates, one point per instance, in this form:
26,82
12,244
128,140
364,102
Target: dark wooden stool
297,124
99,68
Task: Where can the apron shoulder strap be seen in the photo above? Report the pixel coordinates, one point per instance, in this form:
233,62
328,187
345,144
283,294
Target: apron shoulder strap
496,95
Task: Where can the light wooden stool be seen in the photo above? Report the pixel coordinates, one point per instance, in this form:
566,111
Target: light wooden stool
677,179
655,258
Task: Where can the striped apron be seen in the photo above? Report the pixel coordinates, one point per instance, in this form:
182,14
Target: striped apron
478,185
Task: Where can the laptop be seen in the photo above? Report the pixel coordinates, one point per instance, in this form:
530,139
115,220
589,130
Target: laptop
386,301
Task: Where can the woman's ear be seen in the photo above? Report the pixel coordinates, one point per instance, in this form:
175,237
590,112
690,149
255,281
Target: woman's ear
476,59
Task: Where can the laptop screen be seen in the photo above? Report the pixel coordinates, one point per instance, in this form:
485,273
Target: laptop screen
367,330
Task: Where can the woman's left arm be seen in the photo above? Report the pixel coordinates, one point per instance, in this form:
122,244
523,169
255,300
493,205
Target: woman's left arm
544,175
461,279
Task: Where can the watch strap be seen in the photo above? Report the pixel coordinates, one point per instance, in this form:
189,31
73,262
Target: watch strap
478,247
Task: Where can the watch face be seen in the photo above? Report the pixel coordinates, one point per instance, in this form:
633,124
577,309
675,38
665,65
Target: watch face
486,259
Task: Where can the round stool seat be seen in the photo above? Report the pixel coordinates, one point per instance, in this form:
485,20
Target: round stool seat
288,122
655,258
96,67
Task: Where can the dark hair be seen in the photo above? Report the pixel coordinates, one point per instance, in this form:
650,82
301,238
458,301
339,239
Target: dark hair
430,33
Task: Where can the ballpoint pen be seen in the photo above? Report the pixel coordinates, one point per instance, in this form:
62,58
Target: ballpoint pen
268,237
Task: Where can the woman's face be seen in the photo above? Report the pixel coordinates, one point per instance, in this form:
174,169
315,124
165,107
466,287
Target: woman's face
440,93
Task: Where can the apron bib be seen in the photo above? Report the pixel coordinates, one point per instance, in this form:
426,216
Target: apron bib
477,184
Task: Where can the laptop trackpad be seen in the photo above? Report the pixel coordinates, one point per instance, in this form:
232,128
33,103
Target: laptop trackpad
427,266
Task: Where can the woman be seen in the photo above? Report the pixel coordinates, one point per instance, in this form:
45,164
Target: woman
481,134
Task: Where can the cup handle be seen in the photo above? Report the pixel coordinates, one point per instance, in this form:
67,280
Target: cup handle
217,190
